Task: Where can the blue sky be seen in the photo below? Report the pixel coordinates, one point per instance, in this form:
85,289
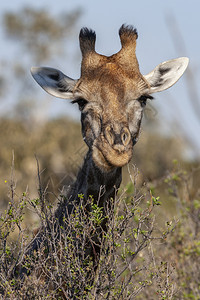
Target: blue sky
155,44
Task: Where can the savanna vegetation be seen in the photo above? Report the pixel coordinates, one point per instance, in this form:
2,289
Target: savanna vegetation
152,247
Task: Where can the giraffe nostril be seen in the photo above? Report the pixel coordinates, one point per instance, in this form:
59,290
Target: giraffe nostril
125,136
109,135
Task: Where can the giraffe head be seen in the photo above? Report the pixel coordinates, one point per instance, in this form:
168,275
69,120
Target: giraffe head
111,94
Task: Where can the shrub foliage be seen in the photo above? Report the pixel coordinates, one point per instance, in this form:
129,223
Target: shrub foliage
140,256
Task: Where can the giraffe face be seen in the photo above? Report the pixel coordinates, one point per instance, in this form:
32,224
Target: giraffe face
111,112
111,134
111,94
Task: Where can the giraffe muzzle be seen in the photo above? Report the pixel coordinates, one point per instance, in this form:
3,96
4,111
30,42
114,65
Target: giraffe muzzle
113,149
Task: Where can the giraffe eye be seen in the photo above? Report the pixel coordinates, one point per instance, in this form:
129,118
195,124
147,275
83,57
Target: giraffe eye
143,99
81,103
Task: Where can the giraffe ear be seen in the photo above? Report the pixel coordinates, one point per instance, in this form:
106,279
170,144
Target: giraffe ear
166,74
54,82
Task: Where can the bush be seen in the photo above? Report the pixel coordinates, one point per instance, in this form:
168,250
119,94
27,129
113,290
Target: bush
137,258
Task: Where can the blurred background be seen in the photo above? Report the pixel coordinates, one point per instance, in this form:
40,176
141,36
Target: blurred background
32,123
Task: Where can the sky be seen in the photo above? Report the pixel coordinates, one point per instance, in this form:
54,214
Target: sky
157,42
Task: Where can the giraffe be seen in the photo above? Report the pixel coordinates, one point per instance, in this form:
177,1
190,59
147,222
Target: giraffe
111,94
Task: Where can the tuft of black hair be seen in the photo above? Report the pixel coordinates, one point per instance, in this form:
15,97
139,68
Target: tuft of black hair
87,38
87,33
128,30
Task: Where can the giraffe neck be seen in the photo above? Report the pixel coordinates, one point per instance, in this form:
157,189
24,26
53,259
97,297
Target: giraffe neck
91,181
